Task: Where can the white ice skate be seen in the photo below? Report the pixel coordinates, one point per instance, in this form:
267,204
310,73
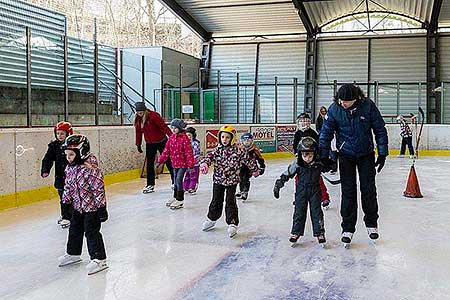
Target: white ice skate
373,234
347,239
67,260
176,204
208,225
96,265
293,239
170,201
148,189
232,230
64,223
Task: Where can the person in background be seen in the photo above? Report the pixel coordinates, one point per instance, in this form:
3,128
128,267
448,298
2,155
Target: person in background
320,118
192,175
406,134
152,126
55,154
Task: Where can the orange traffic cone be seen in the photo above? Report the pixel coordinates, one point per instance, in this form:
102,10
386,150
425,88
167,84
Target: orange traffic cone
412,187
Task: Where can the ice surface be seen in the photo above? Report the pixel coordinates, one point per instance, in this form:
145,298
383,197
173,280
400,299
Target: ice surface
157,253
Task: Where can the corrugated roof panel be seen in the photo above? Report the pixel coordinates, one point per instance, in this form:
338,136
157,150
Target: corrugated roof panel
255,17
444,16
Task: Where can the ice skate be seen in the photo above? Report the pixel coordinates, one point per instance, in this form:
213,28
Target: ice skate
400,156
232,230
64,223
293,239
326,204
170,201
58,221
176,204
244,196
67,260
322,241
412,156
238,195
148,189
373,234
96,265
208,225
347,239
192,192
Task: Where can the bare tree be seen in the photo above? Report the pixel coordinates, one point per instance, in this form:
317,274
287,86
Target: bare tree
124,23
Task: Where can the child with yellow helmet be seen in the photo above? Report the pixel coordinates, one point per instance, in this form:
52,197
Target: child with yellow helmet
228,159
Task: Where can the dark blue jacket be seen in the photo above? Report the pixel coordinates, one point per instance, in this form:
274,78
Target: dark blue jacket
353,128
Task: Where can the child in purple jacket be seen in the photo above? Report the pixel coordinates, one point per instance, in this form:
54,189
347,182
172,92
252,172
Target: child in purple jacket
192,175
85,189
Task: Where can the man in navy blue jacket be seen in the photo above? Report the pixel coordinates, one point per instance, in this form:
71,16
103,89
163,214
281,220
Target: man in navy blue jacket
355,120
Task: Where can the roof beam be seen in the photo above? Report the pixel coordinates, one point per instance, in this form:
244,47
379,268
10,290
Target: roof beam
437,4
306,20
187,19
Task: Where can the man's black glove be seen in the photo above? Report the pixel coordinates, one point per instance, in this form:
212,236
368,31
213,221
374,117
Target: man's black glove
102,214
261,171
381,160
139,148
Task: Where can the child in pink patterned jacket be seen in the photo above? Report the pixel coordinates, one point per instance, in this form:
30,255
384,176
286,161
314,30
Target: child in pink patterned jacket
179,150
228,160
85,189
190,183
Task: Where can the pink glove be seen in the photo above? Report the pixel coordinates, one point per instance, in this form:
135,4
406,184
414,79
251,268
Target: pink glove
255,174
204,168
44,175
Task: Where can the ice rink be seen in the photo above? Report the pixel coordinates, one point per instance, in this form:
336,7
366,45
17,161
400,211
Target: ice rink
156,253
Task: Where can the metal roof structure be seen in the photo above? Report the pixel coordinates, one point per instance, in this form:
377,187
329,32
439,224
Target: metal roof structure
241,18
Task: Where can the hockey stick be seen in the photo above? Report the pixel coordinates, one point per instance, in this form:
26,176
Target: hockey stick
422,114
334,182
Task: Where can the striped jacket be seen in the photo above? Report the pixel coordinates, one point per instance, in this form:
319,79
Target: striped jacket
84,186
405,131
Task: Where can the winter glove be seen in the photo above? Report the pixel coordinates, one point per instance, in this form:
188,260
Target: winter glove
279,183
44,175
102,214
381,160
204,168
139,148
256,174
261,171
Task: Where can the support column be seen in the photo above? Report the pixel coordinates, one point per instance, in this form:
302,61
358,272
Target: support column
433,80
310,76
28,61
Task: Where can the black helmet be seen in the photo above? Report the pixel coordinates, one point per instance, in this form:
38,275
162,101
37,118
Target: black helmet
307,144
192,131
79,144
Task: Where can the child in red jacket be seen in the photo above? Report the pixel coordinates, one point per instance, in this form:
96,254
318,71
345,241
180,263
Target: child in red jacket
179,150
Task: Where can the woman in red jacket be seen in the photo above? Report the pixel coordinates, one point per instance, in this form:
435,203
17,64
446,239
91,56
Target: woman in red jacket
155,132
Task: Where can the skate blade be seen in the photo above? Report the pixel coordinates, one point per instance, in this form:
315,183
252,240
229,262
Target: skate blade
207,229
373,242
148,192
232,236
323,245
71,263
65,226
99,270
325,208
294,245
346,245
175,207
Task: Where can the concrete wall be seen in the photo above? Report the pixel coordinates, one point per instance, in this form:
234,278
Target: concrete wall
114,146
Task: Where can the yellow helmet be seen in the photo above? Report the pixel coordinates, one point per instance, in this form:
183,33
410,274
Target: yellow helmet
228,129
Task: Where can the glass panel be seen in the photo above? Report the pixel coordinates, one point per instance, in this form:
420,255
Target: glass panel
13,93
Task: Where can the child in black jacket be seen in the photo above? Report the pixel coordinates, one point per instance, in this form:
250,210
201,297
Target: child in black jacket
308,168
55,154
